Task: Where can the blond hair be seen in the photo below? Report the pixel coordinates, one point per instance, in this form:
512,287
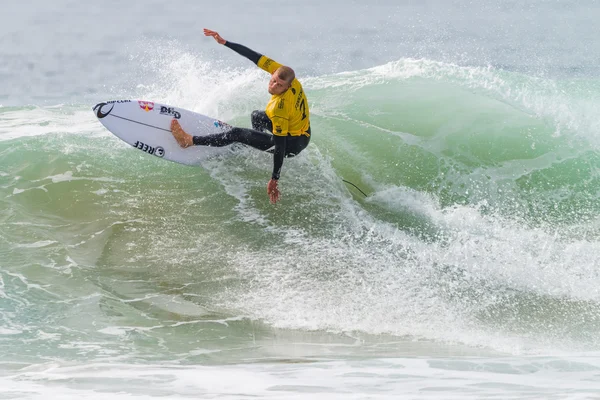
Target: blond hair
286,73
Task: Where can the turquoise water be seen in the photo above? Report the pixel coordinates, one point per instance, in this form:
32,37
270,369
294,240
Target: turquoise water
468,271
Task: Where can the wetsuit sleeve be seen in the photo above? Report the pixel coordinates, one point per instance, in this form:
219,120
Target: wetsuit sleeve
263,62
244,51
278,155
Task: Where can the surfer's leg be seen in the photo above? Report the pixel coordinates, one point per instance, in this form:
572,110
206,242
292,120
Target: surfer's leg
259,140
260,121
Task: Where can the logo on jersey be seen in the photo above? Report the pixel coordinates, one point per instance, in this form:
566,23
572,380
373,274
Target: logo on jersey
170,111
146,105
267,63
298,99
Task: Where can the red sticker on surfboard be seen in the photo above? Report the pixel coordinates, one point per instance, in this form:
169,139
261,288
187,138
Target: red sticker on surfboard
146,105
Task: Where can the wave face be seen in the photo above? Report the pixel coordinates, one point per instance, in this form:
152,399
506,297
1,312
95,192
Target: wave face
480,226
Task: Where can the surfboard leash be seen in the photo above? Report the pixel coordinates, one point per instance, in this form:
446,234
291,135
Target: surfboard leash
357,188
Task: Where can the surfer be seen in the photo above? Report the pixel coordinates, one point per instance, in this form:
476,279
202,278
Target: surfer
286,117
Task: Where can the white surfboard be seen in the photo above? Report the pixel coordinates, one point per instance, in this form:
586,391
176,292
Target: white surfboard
146,126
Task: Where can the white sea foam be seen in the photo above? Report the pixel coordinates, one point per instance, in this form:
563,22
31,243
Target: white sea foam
312,379
35,245
47,121
6,331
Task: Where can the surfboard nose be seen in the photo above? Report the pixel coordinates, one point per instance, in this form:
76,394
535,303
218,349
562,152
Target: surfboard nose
101,110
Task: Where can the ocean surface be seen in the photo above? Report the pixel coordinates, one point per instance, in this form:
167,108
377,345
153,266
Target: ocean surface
470,270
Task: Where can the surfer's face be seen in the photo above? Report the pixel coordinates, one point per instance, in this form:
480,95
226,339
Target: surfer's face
277,85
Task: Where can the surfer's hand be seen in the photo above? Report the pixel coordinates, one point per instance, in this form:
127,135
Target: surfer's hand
218,38
273,191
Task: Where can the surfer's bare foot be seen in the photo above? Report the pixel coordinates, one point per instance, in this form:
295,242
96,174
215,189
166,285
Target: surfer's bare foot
184,139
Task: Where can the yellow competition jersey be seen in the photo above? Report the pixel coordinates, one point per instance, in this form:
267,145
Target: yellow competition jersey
289,110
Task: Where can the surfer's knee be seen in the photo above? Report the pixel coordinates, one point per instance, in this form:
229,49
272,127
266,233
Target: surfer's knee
260,121
255,118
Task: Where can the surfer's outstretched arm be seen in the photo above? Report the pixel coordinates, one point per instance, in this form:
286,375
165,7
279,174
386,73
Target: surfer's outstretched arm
238,48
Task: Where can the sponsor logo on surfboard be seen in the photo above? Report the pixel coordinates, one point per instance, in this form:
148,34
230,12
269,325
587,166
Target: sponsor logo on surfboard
146,105
157,151
221,124
170,111
118,101
99,112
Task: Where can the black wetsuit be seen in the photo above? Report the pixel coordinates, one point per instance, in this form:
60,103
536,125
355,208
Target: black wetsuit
280,146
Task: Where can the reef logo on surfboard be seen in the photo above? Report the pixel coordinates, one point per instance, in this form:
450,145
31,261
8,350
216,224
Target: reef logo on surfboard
158,151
